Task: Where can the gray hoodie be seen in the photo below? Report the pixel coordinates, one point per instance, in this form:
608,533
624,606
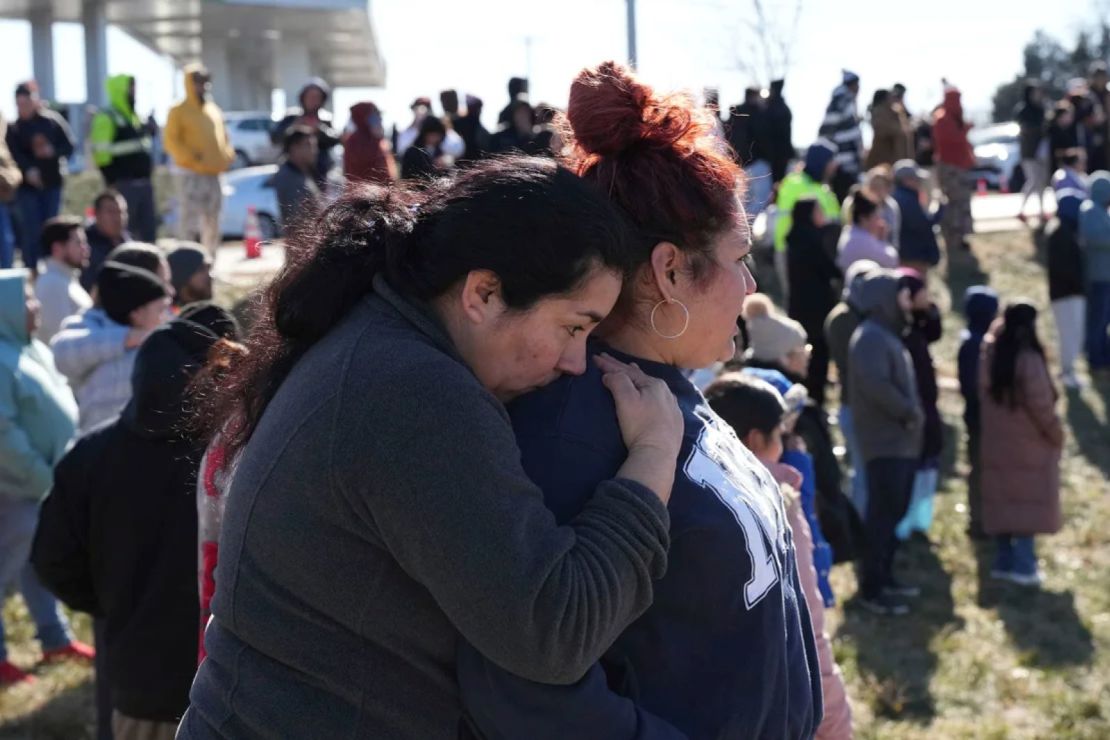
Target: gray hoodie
885,406
380,512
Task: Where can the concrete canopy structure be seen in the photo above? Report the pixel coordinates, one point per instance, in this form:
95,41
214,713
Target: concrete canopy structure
251,47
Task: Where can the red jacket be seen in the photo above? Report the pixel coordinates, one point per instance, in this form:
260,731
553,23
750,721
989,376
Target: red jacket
950,133
366,158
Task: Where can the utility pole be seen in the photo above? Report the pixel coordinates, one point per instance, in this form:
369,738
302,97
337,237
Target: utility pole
631,33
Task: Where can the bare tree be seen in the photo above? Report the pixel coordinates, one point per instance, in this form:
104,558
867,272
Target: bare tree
761,43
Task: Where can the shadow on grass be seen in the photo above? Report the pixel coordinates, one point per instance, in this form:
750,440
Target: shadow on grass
67,716
1044,625
963,271
1091,433
894,653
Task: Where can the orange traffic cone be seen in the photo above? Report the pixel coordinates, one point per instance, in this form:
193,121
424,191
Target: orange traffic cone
981,186
252,235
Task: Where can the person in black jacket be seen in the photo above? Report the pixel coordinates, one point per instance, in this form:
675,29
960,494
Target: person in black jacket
814,288
518,133
424,158
118,533
1063,133
780,121
311,113
1066,285
38,139
1030,115
924,329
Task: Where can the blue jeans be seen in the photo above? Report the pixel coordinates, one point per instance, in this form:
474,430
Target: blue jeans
7,238
919,517
18,520
36,207
759,187
859,470
1015,555
1098,323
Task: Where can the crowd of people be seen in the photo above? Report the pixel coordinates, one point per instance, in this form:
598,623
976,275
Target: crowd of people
447,487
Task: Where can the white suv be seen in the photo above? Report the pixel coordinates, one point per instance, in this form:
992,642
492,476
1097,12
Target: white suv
250,136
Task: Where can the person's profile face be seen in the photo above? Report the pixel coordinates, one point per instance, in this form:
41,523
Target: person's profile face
313,99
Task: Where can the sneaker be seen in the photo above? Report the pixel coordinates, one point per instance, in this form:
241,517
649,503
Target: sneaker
1070,380
884,605
1001,575
896,588
74,650
10,674
1026,579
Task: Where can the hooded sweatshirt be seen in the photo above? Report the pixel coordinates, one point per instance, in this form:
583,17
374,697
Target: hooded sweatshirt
842,323
980,308
726,650
950,142
195,134
808,182
1094,229
117,535
885,406
857,243
120,144
366,156
91,352
38,416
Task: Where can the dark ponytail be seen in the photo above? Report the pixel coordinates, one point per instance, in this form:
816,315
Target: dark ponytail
1019,333
536,225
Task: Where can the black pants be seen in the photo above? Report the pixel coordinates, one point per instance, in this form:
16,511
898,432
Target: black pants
141,211
817,377
103,689
974,476
889,488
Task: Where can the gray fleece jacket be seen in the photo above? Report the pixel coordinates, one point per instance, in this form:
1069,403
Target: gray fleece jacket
886,410
379,512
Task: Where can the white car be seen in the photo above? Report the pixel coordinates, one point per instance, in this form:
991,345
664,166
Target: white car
250,136
997,155
245,188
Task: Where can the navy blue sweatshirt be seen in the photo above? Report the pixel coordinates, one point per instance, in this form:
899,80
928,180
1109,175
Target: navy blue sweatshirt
727,649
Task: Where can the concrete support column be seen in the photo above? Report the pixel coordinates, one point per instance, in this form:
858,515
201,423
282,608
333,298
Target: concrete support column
214,56
292,68
96,50
42,51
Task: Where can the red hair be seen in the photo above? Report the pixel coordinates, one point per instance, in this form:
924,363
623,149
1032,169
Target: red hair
657,156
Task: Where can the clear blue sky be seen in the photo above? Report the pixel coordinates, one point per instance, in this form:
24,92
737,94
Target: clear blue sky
475,46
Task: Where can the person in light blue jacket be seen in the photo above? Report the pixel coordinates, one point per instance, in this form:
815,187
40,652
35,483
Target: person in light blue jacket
1094,237
38,418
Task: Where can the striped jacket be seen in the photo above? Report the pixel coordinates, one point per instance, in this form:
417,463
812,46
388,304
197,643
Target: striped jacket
841,126
90,350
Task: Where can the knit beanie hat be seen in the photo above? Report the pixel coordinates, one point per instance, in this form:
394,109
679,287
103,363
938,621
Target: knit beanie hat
216,319
123,288
771,334
185,259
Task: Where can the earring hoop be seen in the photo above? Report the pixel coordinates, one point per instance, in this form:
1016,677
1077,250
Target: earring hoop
685,322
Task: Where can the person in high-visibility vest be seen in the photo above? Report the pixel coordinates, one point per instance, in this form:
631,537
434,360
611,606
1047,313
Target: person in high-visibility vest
121,148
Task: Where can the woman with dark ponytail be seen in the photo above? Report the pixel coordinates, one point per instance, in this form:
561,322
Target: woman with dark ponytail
378,510
727,648
1021,441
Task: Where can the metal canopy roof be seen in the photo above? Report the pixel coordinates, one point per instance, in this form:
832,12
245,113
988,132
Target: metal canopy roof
337,33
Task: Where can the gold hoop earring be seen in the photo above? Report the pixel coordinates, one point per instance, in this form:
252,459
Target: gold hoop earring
685,323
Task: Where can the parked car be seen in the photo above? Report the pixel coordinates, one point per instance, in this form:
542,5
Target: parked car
250,136
998,155
245,188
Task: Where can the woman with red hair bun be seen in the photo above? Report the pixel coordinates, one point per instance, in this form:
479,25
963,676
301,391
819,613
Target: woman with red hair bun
727,648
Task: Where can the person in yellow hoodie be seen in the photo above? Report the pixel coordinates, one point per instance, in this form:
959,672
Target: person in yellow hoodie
121,147
196,137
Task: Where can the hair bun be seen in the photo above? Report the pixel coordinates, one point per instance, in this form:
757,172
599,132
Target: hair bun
610,110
